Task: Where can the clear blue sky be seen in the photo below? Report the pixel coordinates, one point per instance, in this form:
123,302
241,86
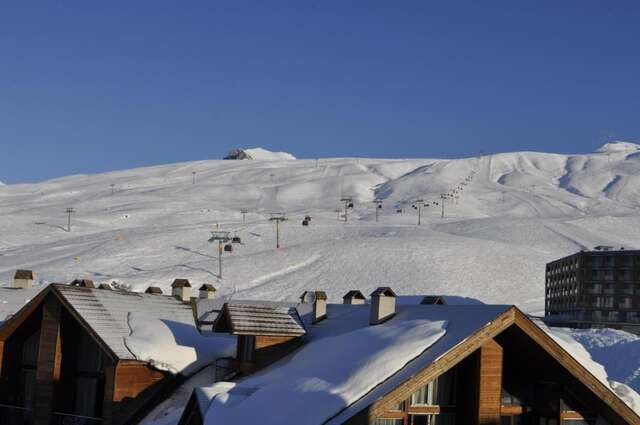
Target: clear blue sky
89,86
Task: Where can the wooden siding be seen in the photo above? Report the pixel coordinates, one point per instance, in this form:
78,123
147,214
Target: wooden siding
49,361
490,388
446,362
135,384
269,341
617,408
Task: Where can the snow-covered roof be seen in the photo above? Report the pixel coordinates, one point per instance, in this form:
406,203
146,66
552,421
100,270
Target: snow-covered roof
107,312
13,299
346,364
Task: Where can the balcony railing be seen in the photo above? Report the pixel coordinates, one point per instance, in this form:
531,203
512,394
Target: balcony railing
14,415
69,419
225,368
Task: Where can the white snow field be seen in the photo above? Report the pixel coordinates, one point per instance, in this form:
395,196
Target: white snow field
150,225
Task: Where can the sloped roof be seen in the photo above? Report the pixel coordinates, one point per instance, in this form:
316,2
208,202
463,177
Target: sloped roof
251,319
354,294
181,283
383,291
13,299
347,323
106,312
207,287
208,309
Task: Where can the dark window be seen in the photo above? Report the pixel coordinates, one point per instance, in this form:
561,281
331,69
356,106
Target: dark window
29,364
439,392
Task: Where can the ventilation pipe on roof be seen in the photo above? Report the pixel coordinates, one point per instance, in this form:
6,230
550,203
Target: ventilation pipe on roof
207,291
23,279
383,305
353,297
154,290
181,289
319,301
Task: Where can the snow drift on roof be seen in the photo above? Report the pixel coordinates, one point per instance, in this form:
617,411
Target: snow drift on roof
317,383
174,345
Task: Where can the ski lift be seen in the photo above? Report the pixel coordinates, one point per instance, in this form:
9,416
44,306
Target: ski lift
236,239
305,222
350,205
399,211
379,206
307,218
228,248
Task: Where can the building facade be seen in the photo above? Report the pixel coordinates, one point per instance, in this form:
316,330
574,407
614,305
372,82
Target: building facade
598,288
63,359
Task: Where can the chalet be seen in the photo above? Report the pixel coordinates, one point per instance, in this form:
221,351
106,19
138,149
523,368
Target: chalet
63,357
397,364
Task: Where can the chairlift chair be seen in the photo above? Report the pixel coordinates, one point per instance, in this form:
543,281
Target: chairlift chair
350,205
228,248
236,239
305,222
307,218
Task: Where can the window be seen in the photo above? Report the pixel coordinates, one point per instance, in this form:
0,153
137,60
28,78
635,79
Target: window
89,378
28,368
440,391
625,302
613,316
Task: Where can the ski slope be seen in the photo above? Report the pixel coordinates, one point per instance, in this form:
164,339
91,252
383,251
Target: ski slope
148,226
520,211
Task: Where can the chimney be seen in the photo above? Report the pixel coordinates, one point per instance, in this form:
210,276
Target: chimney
353,297
154,290
181,289
383,305
319,300
207,291
23,279
83,283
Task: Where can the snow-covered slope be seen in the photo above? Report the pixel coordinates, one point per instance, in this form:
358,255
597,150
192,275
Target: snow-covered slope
520,211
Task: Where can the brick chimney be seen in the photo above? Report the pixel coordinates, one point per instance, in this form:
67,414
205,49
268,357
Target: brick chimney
383,305
181,289
353,297
23,279
319,300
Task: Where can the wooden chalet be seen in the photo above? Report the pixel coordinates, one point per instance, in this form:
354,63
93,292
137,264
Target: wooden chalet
494,365
63,358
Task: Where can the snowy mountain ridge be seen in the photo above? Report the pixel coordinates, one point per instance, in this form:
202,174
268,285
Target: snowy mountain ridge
518,211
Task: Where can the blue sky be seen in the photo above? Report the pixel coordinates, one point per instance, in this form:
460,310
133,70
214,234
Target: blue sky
93,86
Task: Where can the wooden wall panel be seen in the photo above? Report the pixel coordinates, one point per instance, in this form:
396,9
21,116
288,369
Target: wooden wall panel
268,341
49,360
490,389
135,383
